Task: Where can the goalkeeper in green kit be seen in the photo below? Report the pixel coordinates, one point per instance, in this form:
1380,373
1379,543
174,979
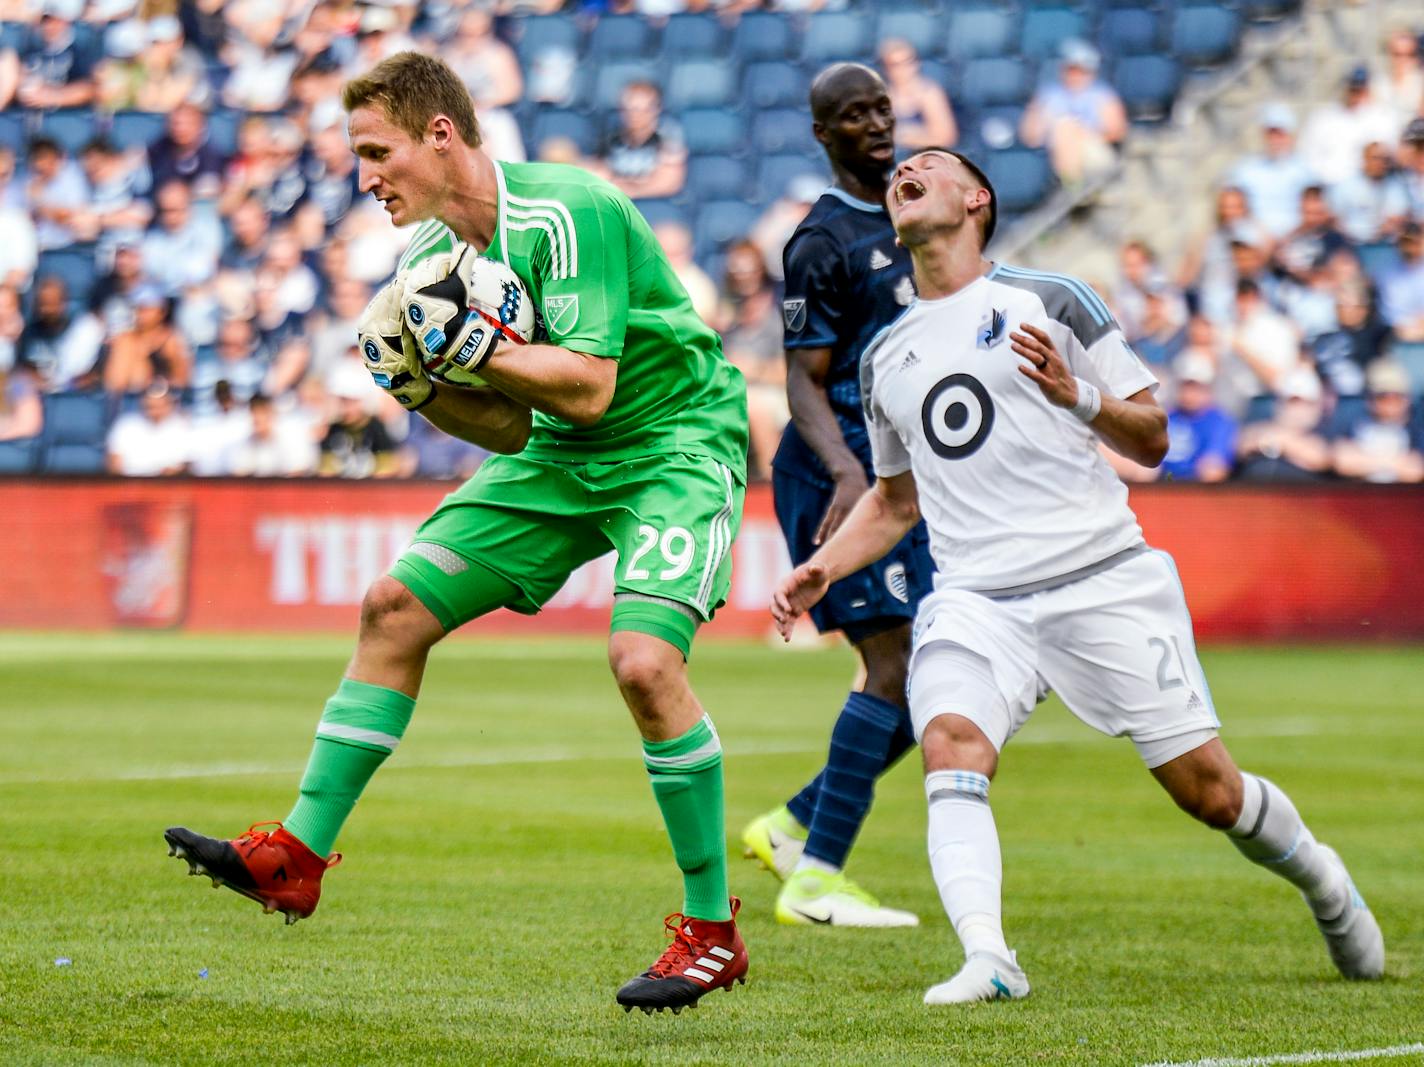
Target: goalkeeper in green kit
624,430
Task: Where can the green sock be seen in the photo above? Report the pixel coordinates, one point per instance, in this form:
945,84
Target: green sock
361,726
686,773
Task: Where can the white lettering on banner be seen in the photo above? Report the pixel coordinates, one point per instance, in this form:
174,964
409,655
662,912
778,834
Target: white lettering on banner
759,562
350,552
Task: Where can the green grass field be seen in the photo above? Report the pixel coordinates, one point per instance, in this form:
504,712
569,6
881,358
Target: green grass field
507,870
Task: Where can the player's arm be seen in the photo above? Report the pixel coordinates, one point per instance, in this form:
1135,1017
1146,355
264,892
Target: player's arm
880,518
484,417
1135,427
806,370
574,386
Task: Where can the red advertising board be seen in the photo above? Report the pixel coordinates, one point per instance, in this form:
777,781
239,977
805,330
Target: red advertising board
1342,562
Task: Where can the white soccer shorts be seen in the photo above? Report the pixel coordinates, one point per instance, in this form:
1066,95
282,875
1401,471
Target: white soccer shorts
1116,646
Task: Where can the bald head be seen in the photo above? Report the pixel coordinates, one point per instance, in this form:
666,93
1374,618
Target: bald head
838,81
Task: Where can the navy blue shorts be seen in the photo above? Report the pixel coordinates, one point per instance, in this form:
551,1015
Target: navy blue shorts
870,601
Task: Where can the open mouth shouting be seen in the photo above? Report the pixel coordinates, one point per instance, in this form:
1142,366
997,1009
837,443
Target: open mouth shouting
907,190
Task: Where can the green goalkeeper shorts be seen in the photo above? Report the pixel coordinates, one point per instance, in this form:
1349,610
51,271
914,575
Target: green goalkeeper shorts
512,534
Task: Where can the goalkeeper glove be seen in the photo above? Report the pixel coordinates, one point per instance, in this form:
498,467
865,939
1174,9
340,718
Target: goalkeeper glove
451,336
389,351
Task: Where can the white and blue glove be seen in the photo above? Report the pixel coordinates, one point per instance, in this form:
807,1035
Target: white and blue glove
389,351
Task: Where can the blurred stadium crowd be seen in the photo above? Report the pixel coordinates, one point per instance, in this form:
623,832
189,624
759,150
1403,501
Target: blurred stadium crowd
184,252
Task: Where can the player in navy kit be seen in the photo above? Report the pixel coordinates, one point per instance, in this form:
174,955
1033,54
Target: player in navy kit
846,279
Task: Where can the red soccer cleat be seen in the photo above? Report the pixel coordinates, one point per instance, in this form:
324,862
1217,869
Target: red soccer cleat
703,956
271,867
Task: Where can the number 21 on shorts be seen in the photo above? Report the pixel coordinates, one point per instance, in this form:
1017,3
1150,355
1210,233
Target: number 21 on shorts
675,545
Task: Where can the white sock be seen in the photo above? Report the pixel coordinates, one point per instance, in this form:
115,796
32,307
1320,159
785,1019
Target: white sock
1270,832
964,858
811,863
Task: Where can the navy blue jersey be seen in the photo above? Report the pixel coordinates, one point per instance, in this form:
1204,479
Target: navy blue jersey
846,280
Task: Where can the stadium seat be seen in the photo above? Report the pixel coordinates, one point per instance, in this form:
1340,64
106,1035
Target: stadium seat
1148,85
1378,258
75,425
762,35
1046,28
660,211
995,127
222,129
73,127
831,36
621,37
774,84
137,129
560,122
14,131
543,33
1205,35
783,130
694,36
1022,177
700,83
1410,355
993,81
713,131
981,31
1130,31
1349,410
76,265
19,456
1266,10
721,222
716,178
775,173
609,79
14,36
923,29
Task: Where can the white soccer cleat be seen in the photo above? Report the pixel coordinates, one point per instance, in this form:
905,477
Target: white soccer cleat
776,839
1353,937
983,977
819,898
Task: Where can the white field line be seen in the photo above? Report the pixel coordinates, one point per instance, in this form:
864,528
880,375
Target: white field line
1073,736
1393,1052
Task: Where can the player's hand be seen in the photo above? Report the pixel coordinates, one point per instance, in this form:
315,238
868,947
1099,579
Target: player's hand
798,593
1044,366
851,485
438,315
388,350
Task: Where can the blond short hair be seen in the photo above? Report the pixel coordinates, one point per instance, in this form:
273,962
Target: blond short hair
412,88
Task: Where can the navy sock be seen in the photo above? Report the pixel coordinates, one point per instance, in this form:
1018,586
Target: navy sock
870,735
803,805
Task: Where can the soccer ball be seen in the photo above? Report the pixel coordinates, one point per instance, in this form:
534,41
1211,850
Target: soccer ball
458,314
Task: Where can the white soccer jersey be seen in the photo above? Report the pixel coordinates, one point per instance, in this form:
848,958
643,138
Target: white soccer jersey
1012,487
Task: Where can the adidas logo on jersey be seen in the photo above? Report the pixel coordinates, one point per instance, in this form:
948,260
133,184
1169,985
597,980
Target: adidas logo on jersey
1194,703
909,361
905,292
879,260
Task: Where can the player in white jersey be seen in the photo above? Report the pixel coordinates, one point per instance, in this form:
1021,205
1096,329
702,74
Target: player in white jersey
986,401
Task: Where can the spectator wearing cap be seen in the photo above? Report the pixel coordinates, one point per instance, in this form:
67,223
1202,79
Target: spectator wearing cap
1335,135
1386,444
55,194
152,350
923,117
645,156
171,73
1207,266
260,70
282,182
58,69
1402,286
1201,437
182,248
1374,204
1161,331
1399,84
1138,272
1290,446
274,447
119,75
356,444
184,153
1261,349
238,358
1305,261
1078,117
60,345
1411,158
1359,338
112,299
1273,180
152,441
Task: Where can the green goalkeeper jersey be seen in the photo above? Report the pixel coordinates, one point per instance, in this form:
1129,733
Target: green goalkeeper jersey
601,285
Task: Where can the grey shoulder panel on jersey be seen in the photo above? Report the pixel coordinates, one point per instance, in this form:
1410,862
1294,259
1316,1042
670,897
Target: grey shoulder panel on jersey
1066,299
867,361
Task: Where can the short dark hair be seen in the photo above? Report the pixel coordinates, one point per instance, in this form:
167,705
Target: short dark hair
412,88
991,218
